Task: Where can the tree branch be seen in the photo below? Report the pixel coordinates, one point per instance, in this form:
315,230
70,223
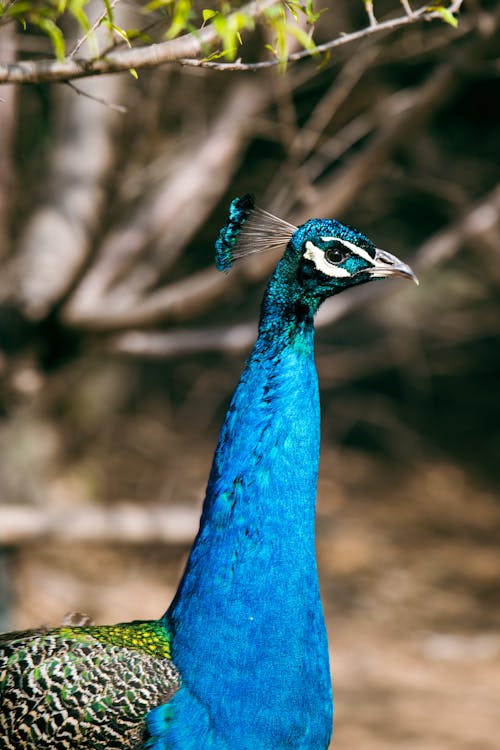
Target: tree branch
121,60
169,218
166,344
124,522
392,24
186,49
482,217
279,196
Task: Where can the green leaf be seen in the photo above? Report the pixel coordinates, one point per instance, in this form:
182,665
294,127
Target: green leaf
325,59
207,14
445,14
275,12
53,31
138,34
215,56
281,45
19,9
109,11
242,21
157,4
133,73
312,15
76,8
122,33
302,37
292,7
182,14
228,29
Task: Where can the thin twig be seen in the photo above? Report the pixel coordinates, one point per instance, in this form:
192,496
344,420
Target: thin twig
92,29
306,141
115,107
407,7
371,14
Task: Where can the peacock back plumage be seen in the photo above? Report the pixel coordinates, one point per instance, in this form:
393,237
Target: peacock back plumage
83,687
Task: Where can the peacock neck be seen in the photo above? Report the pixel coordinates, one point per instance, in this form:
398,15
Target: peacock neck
248,608
266,463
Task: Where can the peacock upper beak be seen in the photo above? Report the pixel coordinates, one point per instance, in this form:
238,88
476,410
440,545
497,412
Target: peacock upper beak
385,264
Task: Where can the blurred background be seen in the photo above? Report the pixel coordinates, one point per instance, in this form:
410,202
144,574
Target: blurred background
120,346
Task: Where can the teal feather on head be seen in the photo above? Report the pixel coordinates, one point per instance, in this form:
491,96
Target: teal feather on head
239,211
249,230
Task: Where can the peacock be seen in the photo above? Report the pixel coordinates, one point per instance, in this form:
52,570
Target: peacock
239,661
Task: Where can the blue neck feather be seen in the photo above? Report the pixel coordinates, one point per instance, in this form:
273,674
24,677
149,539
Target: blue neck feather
248,632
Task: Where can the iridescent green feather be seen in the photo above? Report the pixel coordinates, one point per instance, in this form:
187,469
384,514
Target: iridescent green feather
99,683
148,636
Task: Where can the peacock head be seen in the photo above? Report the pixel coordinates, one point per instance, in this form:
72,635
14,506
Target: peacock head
321,257
330,256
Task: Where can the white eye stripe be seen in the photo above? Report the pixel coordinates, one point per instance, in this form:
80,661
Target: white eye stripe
352,247
317,256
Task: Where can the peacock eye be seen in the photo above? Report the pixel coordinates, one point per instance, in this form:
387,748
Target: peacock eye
335,254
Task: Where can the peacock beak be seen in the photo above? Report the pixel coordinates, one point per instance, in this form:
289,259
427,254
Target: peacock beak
385,264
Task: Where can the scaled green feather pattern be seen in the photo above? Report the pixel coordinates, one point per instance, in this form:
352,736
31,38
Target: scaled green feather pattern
100,682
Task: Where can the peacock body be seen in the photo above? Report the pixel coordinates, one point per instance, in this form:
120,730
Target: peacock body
240,659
